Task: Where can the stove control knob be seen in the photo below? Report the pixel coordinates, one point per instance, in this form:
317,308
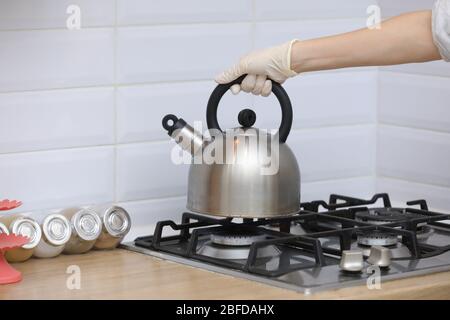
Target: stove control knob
380,256
352,261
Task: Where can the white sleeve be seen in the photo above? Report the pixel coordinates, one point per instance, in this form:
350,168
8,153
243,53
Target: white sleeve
441,27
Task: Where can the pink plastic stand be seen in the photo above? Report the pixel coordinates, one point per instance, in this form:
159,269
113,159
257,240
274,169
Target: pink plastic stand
9,204
8,242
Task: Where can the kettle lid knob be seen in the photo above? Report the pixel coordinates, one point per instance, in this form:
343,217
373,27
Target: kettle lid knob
247,118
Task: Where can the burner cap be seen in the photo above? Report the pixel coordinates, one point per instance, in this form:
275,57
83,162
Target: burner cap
384,215
236,238
210,249
377,238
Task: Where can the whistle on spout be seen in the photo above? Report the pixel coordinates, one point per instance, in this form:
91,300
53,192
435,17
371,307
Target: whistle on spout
183,134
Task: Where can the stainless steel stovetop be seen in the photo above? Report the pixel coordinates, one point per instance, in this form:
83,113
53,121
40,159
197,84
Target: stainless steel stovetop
303,252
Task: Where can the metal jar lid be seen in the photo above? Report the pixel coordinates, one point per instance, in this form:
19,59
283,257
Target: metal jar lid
87,224
3,228
57,229
117,221
28,228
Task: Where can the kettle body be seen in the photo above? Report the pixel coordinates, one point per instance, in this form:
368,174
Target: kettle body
256,174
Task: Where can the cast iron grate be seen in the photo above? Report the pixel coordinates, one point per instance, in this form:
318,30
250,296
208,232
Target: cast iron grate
336,220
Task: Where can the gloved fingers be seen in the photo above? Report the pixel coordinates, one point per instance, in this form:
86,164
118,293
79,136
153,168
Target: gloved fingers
267,88
259,84
235,89
230,74
248,83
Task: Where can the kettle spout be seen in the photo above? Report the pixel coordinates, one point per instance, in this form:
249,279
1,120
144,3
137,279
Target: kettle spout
183,134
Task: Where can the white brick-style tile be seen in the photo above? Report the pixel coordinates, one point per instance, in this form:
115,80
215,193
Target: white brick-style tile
55,179
393,8
325,99
414,155
414,100
359,187
334,153
145,171
306,9
184,52
38,120
438,198
145,214
141,108
50,59
39,14
130,12
433,68
272,33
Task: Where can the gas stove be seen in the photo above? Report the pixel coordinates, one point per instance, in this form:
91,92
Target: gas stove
326,245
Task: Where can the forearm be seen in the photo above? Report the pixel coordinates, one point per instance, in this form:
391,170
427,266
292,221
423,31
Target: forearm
403,39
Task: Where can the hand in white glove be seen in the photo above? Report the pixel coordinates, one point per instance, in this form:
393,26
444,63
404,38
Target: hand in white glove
273,63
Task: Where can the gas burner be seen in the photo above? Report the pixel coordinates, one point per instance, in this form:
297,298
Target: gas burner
236,239
235,245
377,238
384,215
216,251
424,233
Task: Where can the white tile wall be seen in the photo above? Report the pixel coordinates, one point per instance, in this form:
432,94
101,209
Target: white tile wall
392,8
363,187
141,108
437,197
325,99
131,12
42,14
415,155
40,120
436,68
335,152
268,33
145,171
54,179
145,214
182,52
415,101
96,97
47,59
306,9
412,150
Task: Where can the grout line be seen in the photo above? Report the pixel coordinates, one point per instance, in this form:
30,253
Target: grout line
174,197
190,23
168,82
412,127
115,126
383,176
62,28
377,128
163,141
412,73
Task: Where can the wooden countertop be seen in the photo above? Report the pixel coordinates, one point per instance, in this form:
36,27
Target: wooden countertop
121,274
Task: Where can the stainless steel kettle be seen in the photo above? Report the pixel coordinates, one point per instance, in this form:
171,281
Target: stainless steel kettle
240,186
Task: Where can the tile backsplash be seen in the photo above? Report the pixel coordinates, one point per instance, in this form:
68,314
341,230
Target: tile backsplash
80,110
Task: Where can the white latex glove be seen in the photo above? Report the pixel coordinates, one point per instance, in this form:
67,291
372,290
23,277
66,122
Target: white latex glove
273,63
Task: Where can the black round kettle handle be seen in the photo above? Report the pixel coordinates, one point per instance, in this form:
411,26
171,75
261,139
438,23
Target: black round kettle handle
277,89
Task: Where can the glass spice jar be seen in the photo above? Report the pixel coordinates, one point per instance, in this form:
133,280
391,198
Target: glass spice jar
116,224
86,228
56,232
